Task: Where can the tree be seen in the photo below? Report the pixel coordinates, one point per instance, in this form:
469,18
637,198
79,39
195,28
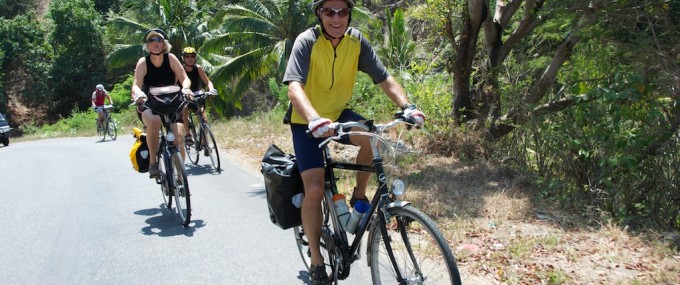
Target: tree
586,93
257,36
78,43
13,8
398,49
26,61
180,19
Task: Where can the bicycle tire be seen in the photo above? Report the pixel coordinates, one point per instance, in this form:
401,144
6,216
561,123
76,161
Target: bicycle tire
212,149
180,185
101,132
112,129
162,180
417,245
193,151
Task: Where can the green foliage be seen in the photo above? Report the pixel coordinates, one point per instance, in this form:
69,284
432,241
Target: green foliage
78,123
597,153
3,97
78,41
27,58
13,8
81,123
398,49
121,93
257,37
279,91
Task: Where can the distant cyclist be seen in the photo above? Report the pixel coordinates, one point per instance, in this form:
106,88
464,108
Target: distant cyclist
98,99
196,74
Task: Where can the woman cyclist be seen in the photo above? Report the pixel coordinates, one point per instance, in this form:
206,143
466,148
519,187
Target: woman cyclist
196,74
159,69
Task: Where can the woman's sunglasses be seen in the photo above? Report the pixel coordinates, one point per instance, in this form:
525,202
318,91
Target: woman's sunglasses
190,56
155,40
330,12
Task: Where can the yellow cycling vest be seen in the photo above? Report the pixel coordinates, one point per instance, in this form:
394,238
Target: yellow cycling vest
329,73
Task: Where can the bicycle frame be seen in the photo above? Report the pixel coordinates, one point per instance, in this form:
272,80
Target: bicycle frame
201,120
382,196
169,150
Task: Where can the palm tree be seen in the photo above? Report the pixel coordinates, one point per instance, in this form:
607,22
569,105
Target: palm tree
176,17
257,36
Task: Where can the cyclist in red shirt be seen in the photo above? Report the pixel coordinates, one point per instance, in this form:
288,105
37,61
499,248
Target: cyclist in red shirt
98,98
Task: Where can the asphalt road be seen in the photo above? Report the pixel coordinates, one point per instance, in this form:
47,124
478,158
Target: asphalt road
75,212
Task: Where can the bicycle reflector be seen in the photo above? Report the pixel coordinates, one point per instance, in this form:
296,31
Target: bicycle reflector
170,137
398,187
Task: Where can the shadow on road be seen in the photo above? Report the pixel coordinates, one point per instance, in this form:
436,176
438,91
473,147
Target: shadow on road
257,192
193,169
167,224
304,276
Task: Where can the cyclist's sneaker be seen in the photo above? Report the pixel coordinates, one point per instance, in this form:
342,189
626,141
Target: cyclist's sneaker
318,274
206,151
153,170
355,199
188,140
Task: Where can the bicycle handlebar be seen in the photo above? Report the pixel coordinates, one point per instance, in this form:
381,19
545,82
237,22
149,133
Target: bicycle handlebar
106,107
370,129
200,94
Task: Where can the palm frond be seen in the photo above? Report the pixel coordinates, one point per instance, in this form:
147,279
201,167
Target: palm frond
124,55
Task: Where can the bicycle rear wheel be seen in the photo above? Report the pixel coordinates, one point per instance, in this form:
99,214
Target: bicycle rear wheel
192,150
326,250
211,147
113,132
415,245
101,131
181,187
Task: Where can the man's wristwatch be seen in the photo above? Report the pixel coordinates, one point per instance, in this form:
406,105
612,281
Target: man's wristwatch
408,106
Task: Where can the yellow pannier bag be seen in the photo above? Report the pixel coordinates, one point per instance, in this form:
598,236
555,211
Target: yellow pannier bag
139,154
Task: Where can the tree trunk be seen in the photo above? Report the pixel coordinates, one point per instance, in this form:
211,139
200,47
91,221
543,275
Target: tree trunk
474,14
519,114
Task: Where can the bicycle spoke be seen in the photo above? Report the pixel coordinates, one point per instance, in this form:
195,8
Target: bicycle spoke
414,250
181,187
211,147
166,190
193,151
100,131
112,129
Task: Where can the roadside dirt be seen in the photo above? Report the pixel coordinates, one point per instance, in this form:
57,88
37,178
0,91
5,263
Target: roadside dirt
501,235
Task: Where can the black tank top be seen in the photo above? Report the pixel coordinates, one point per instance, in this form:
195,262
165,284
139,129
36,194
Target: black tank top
159,76
195,79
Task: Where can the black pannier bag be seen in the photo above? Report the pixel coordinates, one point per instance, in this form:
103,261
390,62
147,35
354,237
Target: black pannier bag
282,182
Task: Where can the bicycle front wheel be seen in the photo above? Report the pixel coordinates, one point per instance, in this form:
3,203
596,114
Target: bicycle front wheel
192,150
101,132
413,251
113,132
162,180
181,187
211,147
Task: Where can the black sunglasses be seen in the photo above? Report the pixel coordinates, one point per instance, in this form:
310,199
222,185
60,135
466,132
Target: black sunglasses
330,12
190,55
155,40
